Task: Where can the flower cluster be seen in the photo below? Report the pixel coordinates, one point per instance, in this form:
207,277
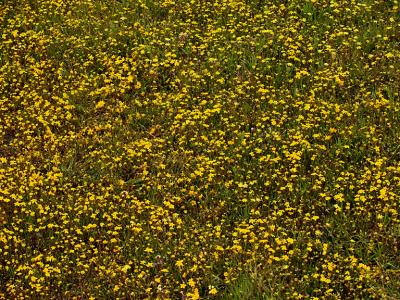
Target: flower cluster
187,149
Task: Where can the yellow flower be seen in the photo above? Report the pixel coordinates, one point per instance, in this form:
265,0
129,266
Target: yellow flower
138,85
100,104
148,250
125,268
192,283
212,290
179,263
195,295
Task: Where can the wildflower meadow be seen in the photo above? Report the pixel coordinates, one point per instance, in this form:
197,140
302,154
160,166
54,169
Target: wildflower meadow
193,149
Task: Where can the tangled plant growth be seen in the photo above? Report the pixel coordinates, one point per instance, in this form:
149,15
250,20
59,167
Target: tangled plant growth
225,149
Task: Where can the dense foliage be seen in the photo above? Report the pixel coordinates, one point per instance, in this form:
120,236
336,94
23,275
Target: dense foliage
186,149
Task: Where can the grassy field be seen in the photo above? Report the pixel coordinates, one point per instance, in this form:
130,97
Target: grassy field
189,149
